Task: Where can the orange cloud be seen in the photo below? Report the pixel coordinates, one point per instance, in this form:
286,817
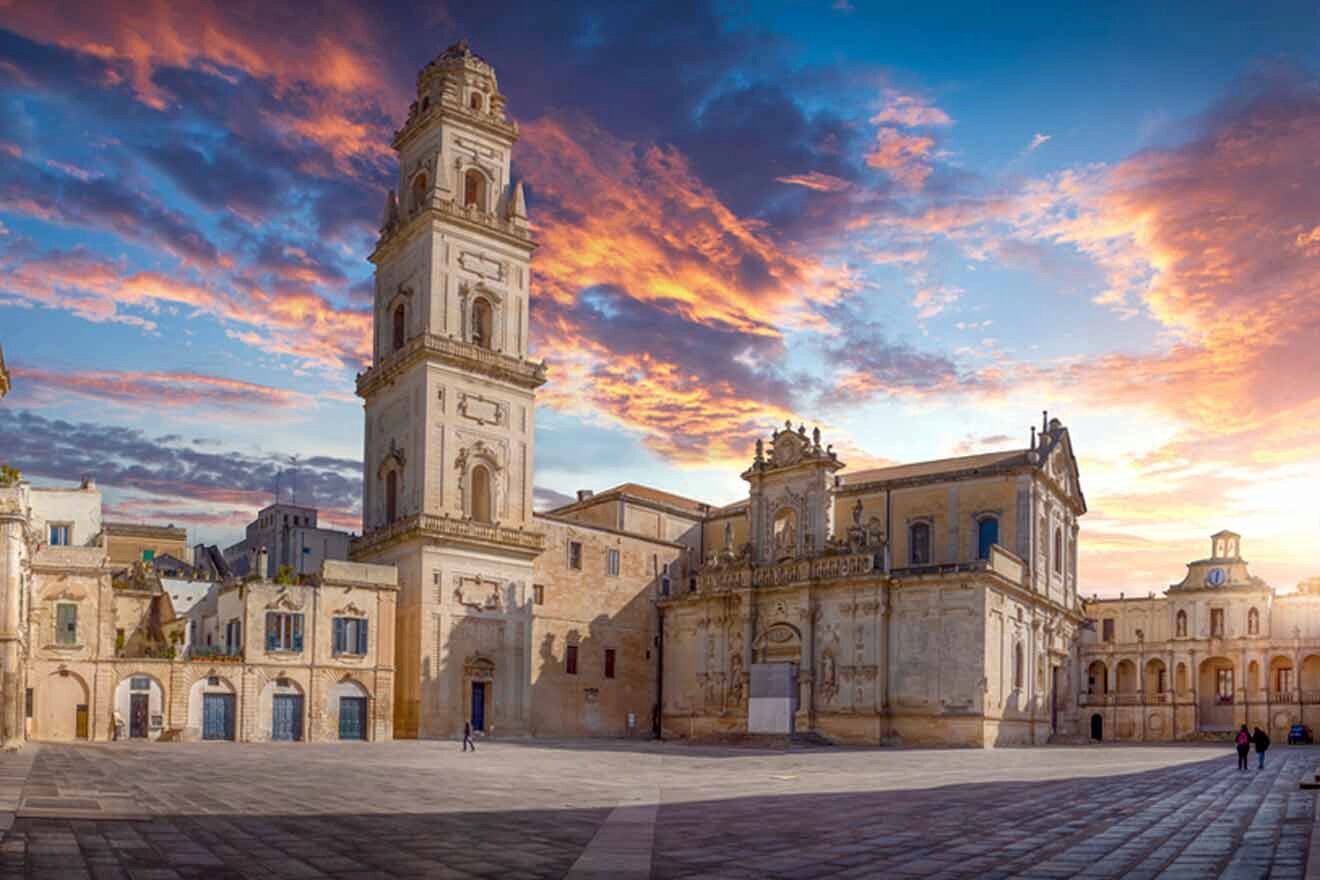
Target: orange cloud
909,111
904,157
179,389
817,180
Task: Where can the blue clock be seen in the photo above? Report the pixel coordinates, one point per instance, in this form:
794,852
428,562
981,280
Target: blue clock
1215,577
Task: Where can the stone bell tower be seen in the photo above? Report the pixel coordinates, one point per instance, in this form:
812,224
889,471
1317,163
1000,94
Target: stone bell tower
447,482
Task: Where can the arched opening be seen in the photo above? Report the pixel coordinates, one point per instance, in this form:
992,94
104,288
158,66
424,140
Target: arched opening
1253,678
1253,622
1283,680
212,709
1017,666
1180,683
419,191
481,506
474,190
475,101
1125,677
1058,550
281,710
399,326
1180,625
348,701
391,496
1311,674
1157,677
1097,679
1217,688
785,532
61,711
987,535
139,707
1097,728
919,543
483,322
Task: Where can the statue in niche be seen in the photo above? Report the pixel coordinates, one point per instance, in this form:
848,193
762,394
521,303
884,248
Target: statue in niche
828,676
478,326
728,536
786,531
735,675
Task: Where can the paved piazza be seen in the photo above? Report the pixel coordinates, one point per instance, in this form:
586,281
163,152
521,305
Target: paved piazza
423,809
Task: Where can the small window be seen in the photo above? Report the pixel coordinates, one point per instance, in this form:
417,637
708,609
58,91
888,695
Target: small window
419,191
1224,685
475,101
1058,550
612,562
139,683
609,662
400,329
483,323
233,636
1216,623
987,535
350,635
61,534
284,631
575,555
1017,666
1107,629
919,543
570,660
1283,680
391,496
538,594
27,703
66,624
148,555
474,190
481,494
213,681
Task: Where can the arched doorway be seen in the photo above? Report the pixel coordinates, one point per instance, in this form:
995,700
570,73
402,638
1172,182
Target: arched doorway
282,710
479,684
139,707
1216,685
212,709
348,709
61,712
1097,727
773,696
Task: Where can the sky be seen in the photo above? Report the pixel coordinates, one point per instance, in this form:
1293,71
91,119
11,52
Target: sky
916,226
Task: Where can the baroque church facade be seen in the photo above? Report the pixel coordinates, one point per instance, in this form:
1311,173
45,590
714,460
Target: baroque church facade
934,602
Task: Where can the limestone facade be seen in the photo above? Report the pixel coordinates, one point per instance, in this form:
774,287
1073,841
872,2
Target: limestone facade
126,543
94,651
1217,650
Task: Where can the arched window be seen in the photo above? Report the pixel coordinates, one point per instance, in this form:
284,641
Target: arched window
475,101
418,191
1058,550
474,190
1181,626
391,496
1017,665
987,535
1253,622
399,326
483,320
481,494
919,543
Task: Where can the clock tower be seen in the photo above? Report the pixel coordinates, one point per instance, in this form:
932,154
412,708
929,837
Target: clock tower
447,481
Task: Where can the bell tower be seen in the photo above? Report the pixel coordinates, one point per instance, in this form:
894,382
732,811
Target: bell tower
447,482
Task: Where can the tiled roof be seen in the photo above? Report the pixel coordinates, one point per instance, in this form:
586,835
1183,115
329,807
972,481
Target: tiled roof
939,466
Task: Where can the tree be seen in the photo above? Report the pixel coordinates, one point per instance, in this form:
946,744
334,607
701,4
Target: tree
9,476
285,575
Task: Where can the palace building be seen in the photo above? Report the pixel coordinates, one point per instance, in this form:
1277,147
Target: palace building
1218,650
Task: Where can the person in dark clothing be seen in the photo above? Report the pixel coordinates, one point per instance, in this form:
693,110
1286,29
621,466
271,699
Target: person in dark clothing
467,737
1262,742
1243,741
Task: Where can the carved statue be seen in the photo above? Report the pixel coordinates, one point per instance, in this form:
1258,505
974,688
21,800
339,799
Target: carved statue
857,513
478,326
735,675
728,536
828,680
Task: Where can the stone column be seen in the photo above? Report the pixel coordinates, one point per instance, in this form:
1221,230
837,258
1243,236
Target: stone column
12,684
806,692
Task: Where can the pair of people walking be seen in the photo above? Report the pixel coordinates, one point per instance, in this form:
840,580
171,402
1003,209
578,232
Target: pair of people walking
1245,740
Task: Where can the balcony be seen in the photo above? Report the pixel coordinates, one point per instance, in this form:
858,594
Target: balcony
1285,697
216,655
449,530
455,352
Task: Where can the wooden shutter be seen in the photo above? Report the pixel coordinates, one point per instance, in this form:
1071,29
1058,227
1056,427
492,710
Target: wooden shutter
272,631
297,632
362,637
341,642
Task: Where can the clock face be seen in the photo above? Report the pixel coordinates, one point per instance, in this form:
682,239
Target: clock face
1216,576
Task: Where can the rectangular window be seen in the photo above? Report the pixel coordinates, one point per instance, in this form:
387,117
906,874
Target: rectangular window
1162,681
538,594
1283,680
148,555
233,636
570,660
1107,629
284,631
612,563
66,624
1216,623
575,555
350,635
139,683
27,703
1224,685
60,534
609,662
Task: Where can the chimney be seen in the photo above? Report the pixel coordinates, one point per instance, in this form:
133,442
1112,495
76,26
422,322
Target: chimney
584,494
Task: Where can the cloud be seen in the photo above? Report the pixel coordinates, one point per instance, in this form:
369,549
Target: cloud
816,180
180,390
904,157
909,111
1037,141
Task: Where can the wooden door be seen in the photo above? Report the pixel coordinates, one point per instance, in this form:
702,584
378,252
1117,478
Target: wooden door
139,705
352,718
478,705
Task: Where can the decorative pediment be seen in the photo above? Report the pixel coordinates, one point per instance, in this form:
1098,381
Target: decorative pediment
284,601
393,458
350,610
789,448
66,595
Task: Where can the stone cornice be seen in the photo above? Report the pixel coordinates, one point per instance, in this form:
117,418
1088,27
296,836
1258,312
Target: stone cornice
446,350
473,219
441,111
448,531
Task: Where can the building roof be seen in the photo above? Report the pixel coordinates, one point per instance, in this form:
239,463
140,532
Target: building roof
185,594
940,466
143,530
638,491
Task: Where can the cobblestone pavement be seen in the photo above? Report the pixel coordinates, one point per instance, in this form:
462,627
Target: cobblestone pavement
520,810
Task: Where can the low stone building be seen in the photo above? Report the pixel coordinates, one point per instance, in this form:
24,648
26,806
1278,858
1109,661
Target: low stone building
126,543
1217,650
96,651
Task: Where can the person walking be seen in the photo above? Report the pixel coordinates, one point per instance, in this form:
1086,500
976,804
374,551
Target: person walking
1243,741
467,736
1262,741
